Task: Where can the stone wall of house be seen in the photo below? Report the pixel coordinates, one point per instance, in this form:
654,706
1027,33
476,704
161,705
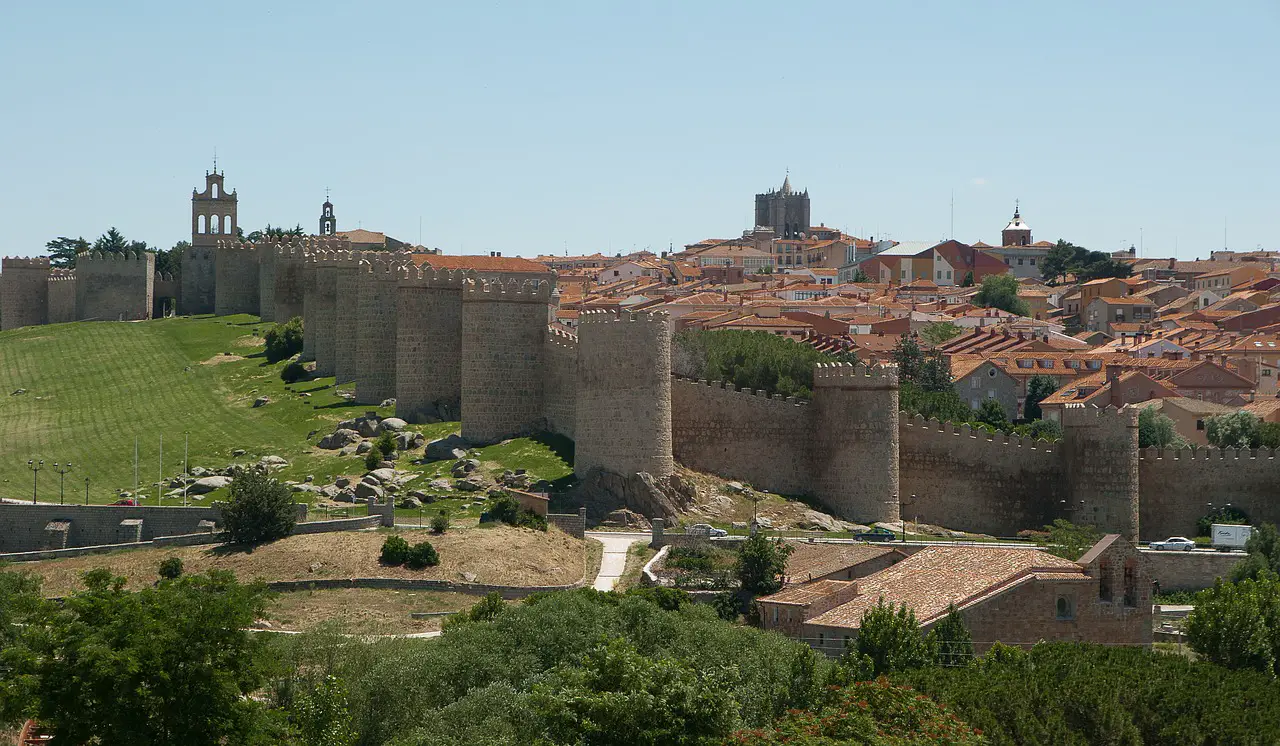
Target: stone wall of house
377,325
429,343
503,325
560,382
962,478
199,275
115,287
1190,571
742,434
1177,485
345,323
62,296
236,284
854,454
24,292
623,402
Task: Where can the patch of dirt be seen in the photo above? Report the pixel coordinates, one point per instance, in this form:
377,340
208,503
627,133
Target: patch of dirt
219,359
250,341
365,611
499,555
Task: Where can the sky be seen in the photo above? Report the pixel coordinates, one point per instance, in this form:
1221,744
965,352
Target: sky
555,127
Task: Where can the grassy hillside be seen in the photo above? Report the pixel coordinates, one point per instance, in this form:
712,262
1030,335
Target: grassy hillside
91,388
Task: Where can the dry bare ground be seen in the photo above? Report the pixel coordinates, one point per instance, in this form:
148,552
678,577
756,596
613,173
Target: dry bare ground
365,611
500,555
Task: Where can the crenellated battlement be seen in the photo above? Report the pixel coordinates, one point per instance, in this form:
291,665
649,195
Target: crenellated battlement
624,317
427,276
729,388
925,427
24,262
1087,415
62,275
562,339
384,266
510,291
163,277
855,375
1208,453
86,260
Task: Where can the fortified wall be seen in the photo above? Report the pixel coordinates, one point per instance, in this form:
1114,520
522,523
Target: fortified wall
115,287
198,276
24,292
62,296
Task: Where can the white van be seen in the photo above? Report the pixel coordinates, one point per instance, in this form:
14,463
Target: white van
1229,536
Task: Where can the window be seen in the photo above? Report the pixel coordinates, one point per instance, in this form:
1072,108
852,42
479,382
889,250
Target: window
775,614
1130,584
822,639
991,393
939,274
1019,261
948,274
1033,261
1006,260
975,383
1199,424
1046,363
1095,365
1066,608
1104,583
214,191
1073,364
974,404
1026,363
615,273
1266,372
991,372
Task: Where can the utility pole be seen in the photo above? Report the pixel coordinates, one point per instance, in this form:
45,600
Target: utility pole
160,483
86,490
135,466
186,465
62,480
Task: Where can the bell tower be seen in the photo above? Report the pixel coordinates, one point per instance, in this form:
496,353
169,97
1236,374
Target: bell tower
1017,232
328,223
213,211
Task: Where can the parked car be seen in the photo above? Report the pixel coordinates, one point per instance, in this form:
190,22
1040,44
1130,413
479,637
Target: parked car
126,501
1174,543
1227,536
876,534
706,529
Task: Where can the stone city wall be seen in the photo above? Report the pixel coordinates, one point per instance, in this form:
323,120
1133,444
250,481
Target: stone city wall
560,382
377,325
1190,571
62,296
199,276
24,292
962,478
854,451
166,295
321,323
115,287
290,290
345,324
268,252
1177,485
503,328
742,434
429,343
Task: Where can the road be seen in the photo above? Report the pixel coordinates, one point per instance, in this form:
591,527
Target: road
614,561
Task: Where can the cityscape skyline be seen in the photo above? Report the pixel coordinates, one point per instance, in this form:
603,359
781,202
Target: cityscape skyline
584,128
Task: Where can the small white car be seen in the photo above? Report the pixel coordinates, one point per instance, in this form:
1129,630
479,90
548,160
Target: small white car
1174,543
706,529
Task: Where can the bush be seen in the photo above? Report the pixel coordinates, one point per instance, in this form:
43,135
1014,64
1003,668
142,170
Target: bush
755,360
761,564
440,523
372,459
260,509
385,444
506,509
284,340
1221,514
892,640
395,551
171,568
422,555
489,608
294,372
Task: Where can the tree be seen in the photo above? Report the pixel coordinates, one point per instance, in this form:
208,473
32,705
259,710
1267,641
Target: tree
967,282
992,413
892,640
1067,258
1040,430
63,251
166,664
1104,267
1067,540
945,406
1237,625
760,565
1039,388
273,232
908,356
322,716
170,568
939,333
113,242
1269,435
260,509
859,276
754,360
1001,292
169,261
1156,429
952,639
284,340
395,551
1059,261
1263,556
1239,429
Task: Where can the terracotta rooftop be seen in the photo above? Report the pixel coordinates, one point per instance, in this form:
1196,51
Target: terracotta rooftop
807,593
815,560
480,263
936,577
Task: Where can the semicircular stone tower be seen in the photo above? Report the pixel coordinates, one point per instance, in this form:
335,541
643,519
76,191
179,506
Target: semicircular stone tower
623,419
856,472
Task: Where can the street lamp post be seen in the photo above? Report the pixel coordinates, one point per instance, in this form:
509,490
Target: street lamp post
901,520
86,490
35,477
62,471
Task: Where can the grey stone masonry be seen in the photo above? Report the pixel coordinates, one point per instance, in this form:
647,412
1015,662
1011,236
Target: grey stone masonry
345,316
290,289
27,527
321,323
268,253
504,325
236,286
429,343
377,325
24,292
62,296
855,448
623,419
115,287
1101,467
310,303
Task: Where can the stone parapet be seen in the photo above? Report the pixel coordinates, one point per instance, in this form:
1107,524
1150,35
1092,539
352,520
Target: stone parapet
429,343
378,325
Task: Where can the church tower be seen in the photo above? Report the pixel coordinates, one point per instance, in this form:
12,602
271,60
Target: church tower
784,210
1016,233
213,219
328,223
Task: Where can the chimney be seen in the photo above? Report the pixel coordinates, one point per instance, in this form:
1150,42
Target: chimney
1113,373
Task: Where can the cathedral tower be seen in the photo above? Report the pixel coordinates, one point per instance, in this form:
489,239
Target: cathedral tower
785,211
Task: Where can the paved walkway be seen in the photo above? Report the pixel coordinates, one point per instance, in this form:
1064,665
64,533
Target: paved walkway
614,561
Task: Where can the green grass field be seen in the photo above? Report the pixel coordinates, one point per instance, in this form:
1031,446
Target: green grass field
92,387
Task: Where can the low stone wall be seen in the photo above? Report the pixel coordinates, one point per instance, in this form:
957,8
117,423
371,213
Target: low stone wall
573,524
339,524
1189,571
92,525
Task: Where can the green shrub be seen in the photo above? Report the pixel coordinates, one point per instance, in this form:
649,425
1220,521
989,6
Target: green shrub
171,568
284,340
395,551
260,509
892,639
386,443
422,555
372,459
489,608
506,509
1221,514
294,372
755,360
667,599
440,523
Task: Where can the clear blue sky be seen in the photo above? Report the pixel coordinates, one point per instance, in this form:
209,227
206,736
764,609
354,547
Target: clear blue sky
529,127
